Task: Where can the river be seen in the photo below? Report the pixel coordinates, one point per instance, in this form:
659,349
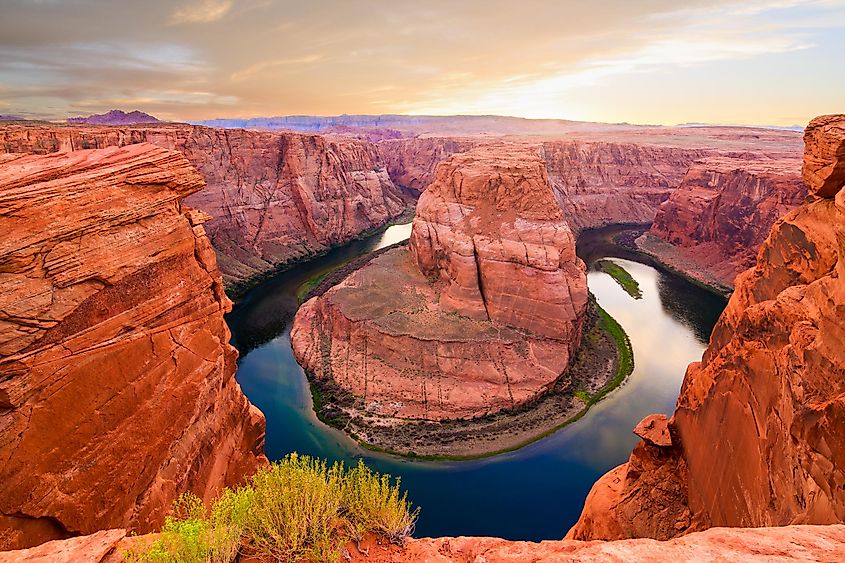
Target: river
534,493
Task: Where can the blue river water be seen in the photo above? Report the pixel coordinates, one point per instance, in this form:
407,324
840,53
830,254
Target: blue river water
534,493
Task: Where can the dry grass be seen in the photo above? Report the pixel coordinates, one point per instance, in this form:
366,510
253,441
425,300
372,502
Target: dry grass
298,509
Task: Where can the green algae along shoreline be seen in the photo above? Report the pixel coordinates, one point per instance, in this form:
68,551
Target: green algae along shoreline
603,362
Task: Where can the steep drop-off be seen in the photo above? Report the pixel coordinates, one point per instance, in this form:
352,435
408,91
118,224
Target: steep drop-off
600,183
758,435
721,213
117,388
411,162
273,197
484,312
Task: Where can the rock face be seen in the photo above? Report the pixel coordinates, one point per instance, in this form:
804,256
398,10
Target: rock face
274,197
117,388
758,436
722,212
411,162
484,311
758,545
115,117
600,183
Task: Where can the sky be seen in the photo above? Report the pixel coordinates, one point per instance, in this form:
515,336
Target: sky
649,61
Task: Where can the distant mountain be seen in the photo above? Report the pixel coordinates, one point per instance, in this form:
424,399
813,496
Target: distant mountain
10,118
115,117
414,124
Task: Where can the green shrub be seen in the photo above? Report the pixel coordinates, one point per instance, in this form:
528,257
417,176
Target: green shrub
373,504
190,534
297,509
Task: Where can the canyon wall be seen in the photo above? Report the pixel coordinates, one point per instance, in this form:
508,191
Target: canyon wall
600,183
758,435
722,212
117,388
273,197
411,162
483,313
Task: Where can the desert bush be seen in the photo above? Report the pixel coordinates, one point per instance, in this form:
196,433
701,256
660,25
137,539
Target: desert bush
298,509
191,535
295,512
372,503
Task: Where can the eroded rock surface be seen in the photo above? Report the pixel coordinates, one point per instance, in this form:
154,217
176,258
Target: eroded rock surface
273,197
117,388
759,431
600,183
722,212
411,162
757,545
483,313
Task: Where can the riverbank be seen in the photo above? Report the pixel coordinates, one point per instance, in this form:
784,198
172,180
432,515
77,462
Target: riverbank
236,291
632,242
603,362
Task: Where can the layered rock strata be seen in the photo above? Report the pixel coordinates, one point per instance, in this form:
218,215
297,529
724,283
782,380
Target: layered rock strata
758,435
411,162
601,183
757,545
722,212
117,388
482,314
274,197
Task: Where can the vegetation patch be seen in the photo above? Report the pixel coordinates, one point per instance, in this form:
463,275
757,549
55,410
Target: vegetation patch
603,362
625,280
298,509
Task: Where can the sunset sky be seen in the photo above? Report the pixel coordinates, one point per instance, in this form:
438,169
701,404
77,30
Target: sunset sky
658,61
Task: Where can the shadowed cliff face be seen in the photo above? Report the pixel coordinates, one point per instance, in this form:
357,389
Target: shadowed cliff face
117,388
723,210
482,314
758,436
273,197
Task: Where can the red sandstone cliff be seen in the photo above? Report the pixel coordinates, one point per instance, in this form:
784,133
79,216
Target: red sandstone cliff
600,183
722,212
411,162
482,314
117,390
273,197
758,436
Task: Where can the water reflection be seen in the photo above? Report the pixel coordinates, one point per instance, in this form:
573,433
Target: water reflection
534,493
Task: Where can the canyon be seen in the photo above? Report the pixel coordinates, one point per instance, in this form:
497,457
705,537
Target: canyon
128,278
273,198
117,390
774,369
278,197
712,225
483,311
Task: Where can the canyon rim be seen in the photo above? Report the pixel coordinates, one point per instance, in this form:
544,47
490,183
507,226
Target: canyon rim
392,282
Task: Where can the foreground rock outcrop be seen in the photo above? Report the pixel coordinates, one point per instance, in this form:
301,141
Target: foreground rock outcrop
483,313
274,198
117,388
721,213
758,435
758,545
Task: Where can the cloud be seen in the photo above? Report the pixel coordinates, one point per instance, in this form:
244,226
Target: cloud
532,58
201,11
252,70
